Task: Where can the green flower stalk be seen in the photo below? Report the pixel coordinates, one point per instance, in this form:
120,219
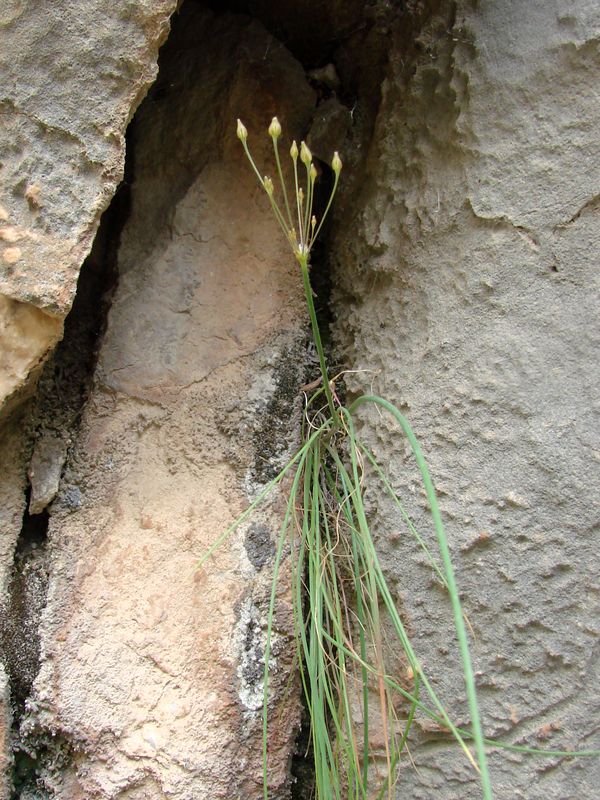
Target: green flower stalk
300,228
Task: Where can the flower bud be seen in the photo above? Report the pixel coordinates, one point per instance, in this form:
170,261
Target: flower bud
313,222
301,196
294,150
242,133
313,173
336,163
268,184
305,154
275,128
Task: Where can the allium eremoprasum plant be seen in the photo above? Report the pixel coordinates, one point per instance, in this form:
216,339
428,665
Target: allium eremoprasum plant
340,595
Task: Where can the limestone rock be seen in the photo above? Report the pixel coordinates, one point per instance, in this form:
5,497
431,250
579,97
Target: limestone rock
4,729
465,289
27,334
13,467
473,289
45,470
13,472
151,669
70,84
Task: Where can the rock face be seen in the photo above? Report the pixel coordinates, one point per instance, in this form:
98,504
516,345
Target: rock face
464,284
70,84
468,289
151,670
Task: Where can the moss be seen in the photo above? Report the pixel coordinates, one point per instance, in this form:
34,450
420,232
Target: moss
271,436
39,757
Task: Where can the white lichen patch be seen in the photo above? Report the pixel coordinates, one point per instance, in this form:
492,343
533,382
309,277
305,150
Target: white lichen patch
249,641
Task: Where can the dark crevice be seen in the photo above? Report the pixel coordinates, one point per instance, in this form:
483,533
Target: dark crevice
320,268
27,593
311,29
302,765
20,637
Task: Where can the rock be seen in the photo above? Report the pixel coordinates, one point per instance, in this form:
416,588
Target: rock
151,668
27,335
327,76
5,721
45,469
468,291
330,126
466,287
68,92
13,469
13,466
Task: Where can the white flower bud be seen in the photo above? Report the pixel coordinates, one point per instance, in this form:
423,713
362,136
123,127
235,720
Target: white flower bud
313,173
294,150
336,164
305,154
268,184
275,128
242,133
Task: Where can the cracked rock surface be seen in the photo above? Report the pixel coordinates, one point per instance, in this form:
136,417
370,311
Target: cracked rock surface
152,670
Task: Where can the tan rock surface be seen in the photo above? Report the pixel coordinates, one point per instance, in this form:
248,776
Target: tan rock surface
152,670
70,84
27,335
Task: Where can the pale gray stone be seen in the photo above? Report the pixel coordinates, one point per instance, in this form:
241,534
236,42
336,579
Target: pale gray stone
469,294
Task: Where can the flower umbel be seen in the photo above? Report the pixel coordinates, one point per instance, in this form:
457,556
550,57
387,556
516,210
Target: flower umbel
299,226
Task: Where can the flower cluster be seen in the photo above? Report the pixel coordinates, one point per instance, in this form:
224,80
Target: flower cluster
300,227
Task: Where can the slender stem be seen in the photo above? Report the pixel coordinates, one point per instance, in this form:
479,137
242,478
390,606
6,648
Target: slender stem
282,181
316,233
278,216
251,160
317,336
295,160
309,190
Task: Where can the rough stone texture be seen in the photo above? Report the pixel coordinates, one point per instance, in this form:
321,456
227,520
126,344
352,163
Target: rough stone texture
26,336
47,462
470,263
13,468
70,83
151,670
466,283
